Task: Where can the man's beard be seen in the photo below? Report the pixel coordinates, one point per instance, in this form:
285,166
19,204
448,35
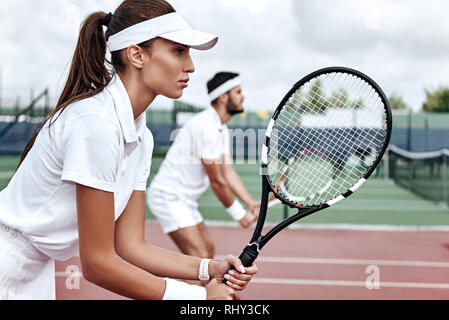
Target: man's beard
233,109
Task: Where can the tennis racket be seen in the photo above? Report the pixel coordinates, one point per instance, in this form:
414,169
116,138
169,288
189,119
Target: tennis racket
297,166
323,142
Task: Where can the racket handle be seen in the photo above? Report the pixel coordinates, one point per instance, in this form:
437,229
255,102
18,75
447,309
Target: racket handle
248,256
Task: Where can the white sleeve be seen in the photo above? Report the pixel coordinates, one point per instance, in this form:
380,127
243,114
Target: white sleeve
226,141
91,152
211,141
141,184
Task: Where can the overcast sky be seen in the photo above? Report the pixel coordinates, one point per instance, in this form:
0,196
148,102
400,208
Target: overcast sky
401,44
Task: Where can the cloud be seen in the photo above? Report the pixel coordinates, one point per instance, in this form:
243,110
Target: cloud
402,44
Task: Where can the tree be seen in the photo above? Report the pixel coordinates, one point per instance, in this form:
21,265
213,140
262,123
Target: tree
316,100
339,99
397,103
437,101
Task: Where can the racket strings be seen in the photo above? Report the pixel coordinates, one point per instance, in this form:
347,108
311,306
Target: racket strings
321,166
334,137
285,124
310,139
345,141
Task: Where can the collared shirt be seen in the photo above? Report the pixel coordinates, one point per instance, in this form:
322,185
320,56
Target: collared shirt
202,137
95,142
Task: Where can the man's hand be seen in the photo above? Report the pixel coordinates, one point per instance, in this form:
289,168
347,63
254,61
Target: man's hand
248,219
254,207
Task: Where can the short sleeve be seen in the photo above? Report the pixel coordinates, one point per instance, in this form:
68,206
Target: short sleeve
211,144
226,141
141,184
91,152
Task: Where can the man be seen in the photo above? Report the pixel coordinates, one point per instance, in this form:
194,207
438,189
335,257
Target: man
199,157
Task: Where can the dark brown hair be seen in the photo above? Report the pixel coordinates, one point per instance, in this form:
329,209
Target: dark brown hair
219,79
89,73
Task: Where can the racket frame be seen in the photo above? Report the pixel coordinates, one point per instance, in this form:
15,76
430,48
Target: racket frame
258,240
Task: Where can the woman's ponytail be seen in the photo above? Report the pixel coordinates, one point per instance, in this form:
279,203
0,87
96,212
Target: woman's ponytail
88,74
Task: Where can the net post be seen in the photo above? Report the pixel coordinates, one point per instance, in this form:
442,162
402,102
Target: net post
386,164
445,178
409,131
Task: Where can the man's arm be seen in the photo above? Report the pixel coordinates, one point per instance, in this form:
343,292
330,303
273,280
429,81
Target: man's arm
223,189
218,183
237,186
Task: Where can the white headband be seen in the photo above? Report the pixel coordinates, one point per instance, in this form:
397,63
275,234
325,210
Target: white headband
170,26
225,87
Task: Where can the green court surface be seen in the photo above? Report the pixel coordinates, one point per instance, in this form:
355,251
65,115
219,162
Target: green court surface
378,202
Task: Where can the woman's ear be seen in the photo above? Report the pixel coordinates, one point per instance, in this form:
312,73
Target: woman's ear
134,55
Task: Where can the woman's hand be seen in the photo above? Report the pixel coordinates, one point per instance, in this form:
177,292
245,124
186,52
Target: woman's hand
232,270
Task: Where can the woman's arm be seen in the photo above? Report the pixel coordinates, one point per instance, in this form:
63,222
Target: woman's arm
103,266
100,263
130,244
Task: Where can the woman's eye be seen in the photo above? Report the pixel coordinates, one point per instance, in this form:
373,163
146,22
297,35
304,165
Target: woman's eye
180,50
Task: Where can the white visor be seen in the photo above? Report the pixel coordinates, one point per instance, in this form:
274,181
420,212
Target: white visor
170,26
225,87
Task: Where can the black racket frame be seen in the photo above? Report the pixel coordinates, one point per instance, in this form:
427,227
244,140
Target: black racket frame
258,241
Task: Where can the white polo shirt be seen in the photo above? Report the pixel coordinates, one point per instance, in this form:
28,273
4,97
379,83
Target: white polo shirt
95,142
202,137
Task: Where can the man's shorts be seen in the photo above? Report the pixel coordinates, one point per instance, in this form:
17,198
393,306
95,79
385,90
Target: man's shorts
173,211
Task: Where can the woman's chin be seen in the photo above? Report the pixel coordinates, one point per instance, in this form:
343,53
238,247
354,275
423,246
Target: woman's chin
174,95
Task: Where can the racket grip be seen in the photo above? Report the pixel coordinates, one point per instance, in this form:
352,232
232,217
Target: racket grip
249,255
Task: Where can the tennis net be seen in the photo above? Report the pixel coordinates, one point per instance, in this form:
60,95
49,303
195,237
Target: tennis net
424,173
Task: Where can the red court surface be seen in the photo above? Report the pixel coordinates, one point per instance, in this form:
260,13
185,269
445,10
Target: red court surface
316,264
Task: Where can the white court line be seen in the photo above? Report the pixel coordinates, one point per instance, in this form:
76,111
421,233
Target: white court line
401,263
312,282
364,262
61,274
345,283
293,260
336,226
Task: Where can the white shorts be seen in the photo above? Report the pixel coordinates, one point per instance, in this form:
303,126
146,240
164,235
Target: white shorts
173,211
25,272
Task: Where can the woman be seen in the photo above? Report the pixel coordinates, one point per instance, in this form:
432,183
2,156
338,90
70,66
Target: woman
82,177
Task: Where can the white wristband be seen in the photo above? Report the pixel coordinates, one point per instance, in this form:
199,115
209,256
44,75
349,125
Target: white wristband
203,273
177,290
236,211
